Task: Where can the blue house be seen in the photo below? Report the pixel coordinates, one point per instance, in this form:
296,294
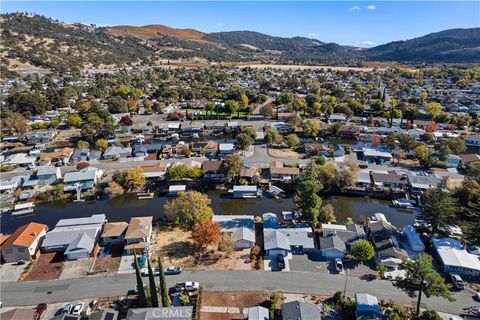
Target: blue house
48,175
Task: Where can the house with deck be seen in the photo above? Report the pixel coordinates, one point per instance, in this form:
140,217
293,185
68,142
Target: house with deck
48,175
453,258
114,233
138,234
212,170
58,156
85,179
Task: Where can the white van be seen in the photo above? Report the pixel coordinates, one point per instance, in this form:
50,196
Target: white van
457,281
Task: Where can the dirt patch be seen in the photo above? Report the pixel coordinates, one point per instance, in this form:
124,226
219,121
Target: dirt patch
284,153
48,266
110,262
237,299
176,248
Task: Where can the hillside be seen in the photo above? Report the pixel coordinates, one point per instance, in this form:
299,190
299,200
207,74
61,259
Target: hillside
154,31
35,42
454,45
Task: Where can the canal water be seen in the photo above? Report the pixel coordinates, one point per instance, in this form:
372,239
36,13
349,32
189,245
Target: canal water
127,206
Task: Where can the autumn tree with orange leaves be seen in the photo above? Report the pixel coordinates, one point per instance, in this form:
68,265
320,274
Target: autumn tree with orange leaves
205,233
376,140
431,127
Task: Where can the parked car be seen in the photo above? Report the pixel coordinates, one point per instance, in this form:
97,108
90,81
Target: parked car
78,308
338,265
172,270
457,282
132,292
187,286
39,309
281,261
477,296
21,261
144,272
67,308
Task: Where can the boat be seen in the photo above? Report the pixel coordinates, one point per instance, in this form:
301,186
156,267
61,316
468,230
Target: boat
145,195
275,192
23,209
403,203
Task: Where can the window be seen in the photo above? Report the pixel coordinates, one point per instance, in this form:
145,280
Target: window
8,251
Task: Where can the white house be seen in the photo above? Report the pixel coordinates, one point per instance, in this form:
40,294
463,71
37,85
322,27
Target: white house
85,178
454,258
24,242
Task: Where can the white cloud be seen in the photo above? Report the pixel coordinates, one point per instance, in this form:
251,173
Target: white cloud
365,44
369,43
371,7
313,34
355,8
219,24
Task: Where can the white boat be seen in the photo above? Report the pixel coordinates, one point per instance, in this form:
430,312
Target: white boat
145,195
23,209
23,212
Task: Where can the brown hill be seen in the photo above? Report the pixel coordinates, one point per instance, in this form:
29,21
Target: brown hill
152,31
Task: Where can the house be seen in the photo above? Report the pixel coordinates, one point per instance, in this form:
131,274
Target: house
48,175
317,149
141,150
80,155
385,238
347,233
337,117
453,161
275,243
20,160
138,234
115,152
40,136
300,239
104,314
30,182
367,307
212,170
226,148
154,172
363,179
469,159
75,237
472,140
413,239
453,258
390,180
180,148
167,150
84,179
418,184
285,174
167,313
95,155
375,156
175,190
349,132
18,314
59,156
114,233
258,313
210,149
250,174
296,310
243,238
242,192
332,247
24,242
12,184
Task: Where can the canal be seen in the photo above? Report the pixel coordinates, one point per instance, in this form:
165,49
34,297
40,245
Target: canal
127,206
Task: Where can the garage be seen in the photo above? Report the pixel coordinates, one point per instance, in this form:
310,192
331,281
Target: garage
81,254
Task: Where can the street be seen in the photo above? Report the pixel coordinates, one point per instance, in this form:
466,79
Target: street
31,293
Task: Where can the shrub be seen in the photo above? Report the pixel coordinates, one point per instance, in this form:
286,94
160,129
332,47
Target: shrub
226,243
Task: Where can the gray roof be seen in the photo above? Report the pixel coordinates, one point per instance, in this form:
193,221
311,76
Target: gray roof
94,219
273,239
47,171
297,310
352,233
231,223
299,236
105,314
244,234
258,313
83,243
88,173
332,242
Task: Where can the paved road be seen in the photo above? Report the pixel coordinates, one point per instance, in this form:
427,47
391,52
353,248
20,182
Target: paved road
30,293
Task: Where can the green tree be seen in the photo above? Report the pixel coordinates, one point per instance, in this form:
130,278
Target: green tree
312,128
307,199
472,229
74,121
153,287
101,144
381,269
15,122
142,298
271,136
456,145
83,144
421,278
433,109
362,250
424,155
188,209
232,165
163,285
244,141
438,207
134,179
293,140
230,107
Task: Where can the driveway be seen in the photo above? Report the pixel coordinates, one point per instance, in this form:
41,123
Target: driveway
76,268
271,264
11,271
126,264
301,262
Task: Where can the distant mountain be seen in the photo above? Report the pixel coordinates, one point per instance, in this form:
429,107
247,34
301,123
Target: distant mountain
454,45
32,42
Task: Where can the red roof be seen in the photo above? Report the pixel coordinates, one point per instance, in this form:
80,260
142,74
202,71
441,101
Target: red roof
25,235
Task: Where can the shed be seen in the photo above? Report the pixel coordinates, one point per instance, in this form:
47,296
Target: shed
175,190
244,238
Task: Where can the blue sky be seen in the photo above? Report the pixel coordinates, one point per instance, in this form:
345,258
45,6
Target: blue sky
361,23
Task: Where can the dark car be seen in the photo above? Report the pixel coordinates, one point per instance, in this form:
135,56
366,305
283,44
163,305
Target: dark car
39,309
281,261
132,292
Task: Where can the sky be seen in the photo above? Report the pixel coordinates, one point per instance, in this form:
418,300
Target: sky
360,23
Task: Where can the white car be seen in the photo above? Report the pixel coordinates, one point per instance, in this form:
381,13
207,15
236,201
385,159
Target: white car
187,286
477,296
78,308
338,265
144,272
